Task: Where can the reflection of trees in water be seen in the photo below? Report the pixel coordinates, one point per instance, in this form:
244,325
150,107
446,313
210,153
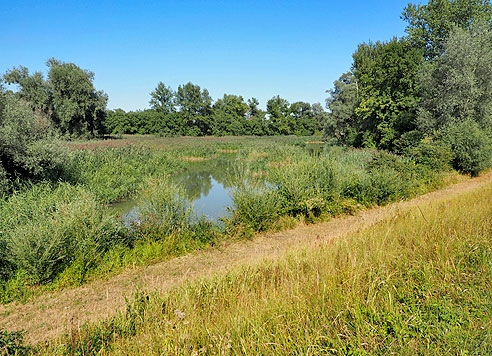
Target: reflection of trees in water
197,178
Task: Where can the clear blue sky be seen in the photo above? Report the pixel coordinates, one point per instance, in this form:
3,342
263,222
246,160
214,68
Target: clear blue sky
295,49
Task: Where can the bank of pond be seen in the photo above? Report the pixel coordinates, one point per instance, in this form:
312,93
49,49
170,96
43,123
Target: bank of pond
131,205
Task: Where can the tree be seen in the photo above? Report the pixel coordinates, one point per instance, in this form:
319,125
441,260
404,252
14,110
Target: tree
253,109
33,88
194,108
230,116
278,120
68,97
28,146
77,108
375,103
342,101
430,25
458,85
386,76
303,121
163,99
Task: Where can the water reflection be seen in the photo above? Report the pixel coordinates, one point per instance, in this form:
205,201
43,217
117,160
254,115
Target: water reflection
206,184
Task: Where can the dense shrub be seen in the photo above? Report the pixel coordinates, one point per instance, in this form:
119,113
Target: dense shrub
433,155
255,206
163,210
470,145
28,147
45,229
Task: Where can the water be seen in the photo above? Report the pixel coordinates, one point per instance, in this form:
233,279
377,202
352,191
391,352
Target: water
205,185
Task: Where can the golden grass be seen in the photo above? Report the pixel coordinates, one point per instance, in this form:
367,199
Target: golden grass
417,283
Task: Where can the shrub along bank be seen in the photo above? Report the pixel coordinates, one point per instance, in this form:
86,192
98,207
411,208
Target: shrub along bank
416,283
57,235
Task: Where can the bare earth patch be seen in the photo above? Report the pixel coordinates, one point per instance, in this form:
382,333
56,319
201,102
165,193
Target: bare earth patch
49,315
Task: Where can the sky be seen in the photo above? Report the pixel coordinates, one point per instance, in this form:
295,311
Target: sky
295,49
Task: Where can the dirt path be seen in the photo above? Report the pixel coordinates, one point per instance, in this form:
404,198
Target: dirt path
49,315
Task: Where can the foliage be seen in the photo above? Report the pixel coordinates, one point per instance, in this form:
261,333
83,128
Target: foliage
190,111
375,103
429,25
163,99
28,147
432,155
68,97
458,85
471,146
45,229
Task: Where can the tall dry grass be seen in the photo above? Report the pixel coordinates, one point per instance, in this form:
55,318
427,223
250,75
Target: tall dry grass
416,284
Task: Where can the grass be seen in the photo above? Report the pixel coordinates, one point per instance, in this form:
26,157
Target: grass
417,283
64,234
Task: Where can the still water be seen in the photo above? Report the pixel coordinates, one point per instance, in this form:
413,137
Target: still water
205,184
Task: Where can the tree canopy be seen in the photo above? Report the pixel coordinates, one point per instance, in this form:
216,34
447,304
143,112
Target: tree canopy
67,96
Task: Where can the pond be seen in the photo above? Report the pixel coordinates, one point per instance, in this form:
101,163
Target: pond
205,185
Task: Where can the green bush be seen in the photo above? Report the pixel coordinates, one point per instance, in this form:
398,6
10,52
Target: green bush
163,210
255,206
45,229
392,177
471,146
28,146
432,155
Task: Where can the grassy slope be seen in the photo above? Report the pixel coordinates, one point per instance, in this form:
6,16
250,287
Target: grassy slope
418,283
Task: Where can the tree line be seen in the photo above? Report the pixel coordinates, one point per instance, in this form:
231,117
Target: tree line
427,95
430,91
190,111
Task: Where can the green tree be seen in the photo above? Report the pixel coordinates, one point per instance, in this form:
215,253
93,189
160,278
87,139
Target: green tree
457,86
163,99
68,96
77,108
33,88
195,107
279,119
303,120
430,25
376,103
230,116
28,145
342,101
386,76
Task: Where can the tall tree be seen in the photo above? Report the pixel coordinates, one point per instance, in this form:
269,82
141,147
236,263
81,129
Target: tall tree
33,88
278,119
195,107
375,103
230,116
386,76
458,85
78,109
342,101
429,25
163,99
68,96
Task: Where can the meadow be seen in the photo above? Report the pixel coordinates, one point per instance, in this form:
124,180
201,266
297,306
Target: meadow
417,283
65,233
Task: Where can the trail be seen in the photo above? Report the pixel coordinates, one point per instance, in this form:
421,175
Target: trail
49,315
